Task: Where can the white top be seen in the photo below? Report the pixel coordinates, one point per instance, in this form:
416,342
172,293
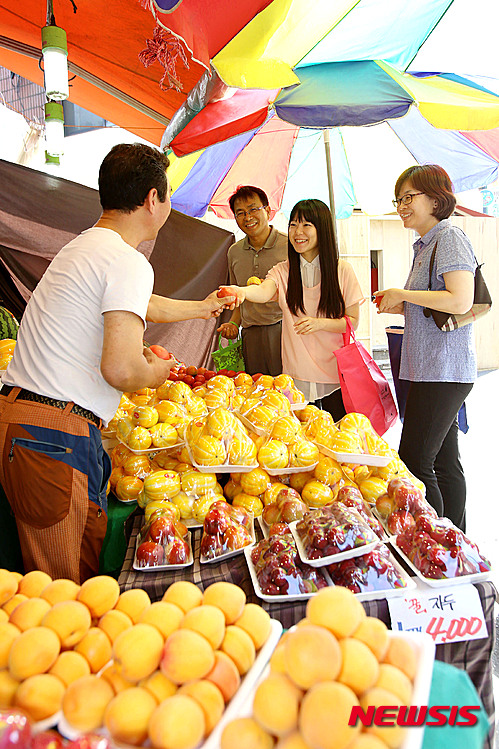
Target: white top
59,344
310,272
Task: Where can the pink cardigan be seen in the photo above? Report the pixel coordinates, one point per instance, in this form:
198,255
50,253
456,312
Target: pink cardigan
310,357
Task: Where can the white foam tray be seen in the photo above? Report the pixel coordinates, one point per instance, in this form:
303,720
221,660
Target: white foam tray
445,582
363,459
230,554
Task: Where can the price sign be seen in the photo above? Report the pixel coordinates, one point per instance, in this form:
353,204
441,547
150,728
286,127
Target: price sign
448,614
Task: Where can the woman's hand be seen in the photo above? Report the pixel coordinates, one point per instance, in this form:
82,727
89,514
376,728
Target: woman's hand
238,292
390,300
306,325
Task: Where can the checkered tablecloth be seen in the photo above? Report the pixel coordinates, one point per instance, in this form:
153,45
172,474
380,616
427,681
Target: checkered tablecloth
473,656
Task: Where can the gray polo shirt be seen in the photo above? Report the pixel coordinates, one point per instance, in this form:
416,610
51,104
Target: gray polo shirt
245,262
429,354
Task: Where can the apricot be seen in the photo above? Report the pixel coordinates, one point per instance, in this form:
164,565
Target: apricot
395,681
374,633
178,723
277,661
29,613
293,741
8,688
360,668
256,623
127,716
209,698
337,609
96,647
59,590
311,655
113,677
245,733
239,646
69,666
276,704
187,655
114,622
4,617
378,697
159,686
8,633
133,603
324,714
367,741
33,652
228,597
11,604
100,594
208,621
224,675
183,594
40,696
70,620
33,583
8,586
401,654
85,701
165,616
137,651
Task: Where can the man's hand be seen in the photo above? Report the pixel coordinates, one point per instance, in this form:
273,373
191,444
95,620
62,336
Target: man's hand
160,368
213,306
228,330
306,325
238,295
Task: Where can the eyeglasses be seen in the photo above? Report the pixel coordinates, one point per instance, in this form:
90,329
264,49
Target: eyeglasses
250,212
406,199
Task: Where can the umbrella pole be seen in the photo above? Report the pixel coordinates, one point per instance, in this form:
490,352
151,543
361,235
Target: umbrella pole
327,148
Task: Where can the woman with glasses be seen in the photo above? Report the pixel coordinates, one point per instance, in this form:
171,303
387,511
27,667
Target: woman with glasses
315,291
441,366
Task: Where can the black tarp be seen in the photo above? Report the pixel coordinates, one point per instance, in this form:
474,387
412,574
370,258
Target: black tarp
40,213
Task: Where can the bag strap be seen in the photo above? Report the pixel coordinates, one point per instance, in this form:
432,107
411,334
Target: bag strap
432,263
349,333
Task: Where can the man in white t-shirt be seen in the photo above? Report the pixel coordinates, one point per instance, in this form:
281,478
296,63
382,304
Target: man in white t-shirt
80,346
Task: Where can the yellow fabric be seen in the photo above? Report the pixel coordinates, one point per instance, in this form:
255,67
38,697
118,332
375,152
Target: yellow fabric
447,104
180,167
263,54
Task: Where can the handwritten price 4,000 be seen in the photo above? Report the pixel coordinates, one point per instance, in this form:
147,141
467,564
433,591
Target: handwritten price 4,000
457,628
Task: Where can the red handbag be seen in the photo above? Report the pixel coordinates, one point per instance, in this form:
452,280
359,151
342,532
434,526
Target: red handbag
364,388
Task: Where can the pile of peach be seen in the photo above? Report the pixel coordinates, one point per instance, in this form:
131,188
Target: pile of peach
161,671
334,660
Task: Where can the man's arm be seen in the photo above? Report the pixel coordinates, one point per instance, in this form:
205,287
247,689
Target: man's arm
125,364
163,309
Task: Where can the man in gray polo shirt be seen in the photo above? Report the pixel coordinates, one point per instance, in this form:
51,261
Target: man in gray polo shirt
261,249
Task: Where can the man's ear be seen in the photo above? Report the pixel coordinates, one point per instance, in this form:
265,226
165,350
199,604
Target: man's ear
267,210
151,199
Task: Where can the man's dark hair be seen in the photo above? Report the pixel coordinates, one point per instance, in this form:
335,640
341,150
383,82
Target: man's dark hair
128,173
244,192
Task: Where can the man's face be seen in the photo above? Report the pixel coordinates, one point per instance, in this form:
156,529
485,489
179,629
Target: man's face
252,216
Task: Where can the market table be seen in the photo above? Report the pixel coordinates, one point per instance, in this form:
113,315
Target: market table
473,656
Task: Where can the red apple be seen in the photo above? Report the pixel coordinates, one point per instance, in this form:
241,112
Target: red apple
173,376
209,374
188,379
349,491
161,530
177,552
400,521
285,494
278,529
15,729
160,351
150,554
256,376
292,510
216,521
236,537
271,514
47,740
192,370
90,741
384,505
224,291
200,379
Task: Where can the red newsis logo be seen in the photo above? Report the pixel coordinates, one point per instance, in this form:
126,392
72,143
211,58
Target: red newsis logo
436,715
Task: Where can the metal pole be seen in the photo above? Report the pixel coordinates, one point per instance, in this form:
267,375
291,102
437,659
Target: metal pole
327,149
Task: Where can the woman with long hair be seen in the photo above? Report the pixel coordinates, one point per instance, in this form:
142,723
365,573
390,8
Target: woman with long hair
316,291
441,366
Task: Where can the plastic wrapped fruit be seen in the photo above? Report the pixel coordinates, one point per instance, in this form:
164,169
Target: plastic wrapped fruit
401,505
161,485
350,496
288,506
162,541
279,569
367,573
249,502
220,439
333,530
128,488
439,550
317,494
226,529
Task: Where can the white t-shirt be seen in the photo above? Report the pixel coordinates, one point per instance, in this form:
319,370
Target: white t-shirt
59,344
